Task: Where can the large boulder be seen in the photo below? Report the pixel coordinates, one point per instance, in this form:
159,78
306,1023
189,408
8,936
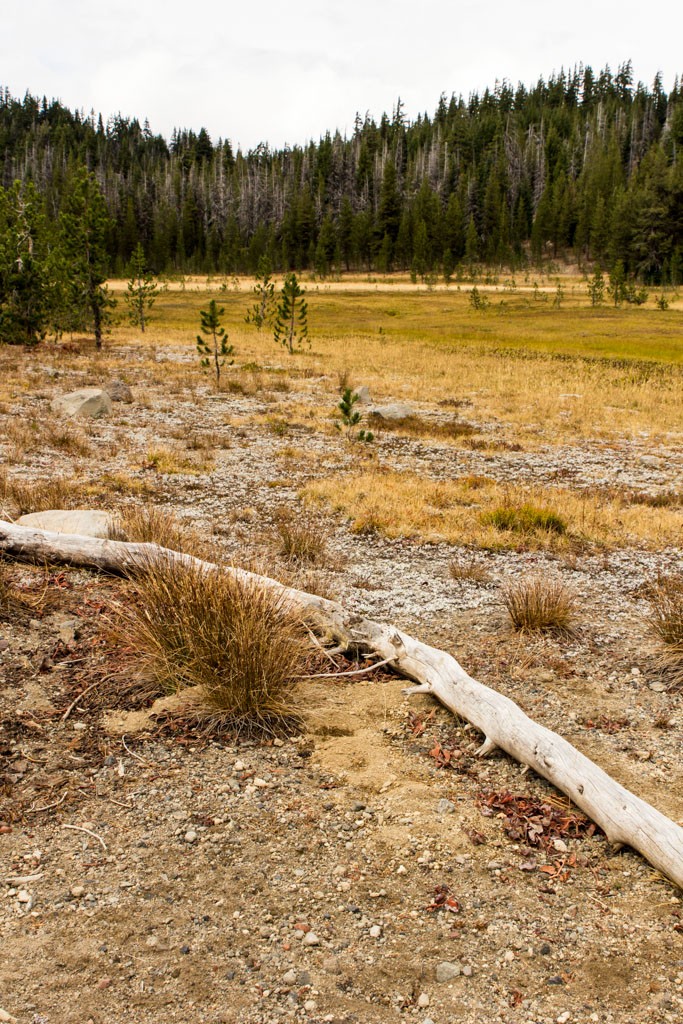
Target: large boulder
89,402
83,521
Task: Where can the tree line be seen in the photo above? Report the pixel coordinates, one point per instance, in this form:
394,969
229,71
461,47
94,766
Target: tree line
585,165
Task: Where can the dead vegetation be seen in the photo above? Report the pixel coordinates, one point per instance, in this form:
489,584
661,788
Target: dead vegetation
666,623
539,605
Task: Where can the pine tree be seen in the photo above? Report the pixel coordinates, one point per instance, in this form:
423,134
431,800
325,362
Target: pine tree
142,290
83,228
291,322
24,293
216,349
261,313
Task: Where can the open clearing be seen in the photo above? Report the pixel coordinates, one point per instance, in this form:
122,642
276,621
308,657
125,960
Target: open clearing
152,874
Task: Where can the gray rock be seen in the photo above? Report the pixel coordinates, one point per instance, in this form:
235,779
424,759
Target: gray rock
363,393
82,521
119,391
89,402
445,807
394,411
447,971
289,978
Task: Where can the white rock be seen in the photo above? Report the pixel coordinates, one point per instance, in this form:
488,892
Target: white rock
423,1000
393,411
311,939
85,522
289,977
376,931
23,896
191,836
447,971
89,402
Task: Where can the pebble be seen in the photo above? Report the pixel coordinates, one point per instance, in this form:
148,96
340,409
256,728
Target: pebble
239,766
658,687
375,931
564,1017
311,939
310,1005
445,807
191,836
447,971
560,846
77,891
423,1000
401,870
289,977
23,896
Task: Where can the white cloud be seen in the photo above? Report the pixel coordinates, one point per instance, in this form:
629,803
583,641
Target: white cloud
281,72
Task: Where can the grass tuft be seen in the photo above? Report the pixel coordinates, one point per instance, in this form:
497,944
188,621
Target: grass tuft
525,518
300,541
227,636
22,496
149,524
538,605
666,622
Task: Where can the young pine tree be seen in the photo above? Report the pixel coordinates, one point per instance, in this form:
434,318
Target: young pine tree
142,290
291,322
24,282
261,313
214,348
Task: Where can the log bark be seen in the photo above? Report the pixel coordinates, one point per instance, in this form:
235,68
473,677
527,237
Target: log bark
625,818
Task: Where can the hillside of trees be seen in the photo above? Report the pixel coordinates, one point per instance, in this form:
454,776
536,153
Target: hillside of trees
584,166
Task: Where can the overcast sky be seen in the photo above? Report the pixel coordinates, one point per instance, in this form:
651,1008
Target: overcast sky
284,72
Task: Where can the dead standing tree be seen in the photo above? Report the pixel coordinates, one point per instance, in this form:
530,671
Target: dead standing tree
624,817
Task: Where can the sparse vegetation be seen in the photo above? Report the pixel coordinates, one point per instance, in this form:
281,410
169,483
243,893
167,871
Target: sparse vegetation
149,524
351,417
20,496
216,349
540,605
300,540
291,320
525,518
233,640
666,623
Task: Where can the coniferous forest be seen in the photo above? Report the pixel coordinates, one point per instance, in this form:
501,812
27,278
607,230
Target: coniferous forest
584,166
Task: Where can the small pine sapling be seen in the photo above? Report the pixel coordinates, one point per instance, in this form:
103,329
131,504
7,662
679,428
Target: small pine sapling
142,290
291,322
215,348
351,417
261,313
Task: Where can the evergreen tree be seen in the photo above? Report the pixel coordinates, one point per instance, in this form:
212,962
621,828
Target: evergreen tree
83,229
214,348
142,290
24,298
291,322
262,311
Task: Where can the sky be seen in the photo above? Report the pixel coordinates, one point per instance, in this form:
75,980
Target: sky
285,73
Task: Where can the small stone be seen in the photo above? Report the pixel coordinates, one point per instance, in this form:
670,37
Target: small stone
289,977
560,846
564,1017
376,931
423,1000
311,939
77,891
310,1005
555,980
239,766
401,870
191,836
447,971
545,949
658,687
445,807
467,971
103,983
23,896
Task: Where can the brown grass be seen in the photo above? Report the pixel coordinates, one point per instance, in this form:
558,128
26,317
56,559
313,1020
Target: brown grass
227,636
470,571
19,496
419,426
149,524
540,605
300,539
666,623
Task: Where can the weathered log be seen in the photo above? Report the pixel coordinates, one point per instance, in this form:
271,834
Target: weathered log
625,818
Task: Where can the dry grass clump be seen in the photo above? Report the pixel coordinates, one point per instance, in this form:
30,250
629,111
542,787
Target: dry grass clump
417,426
666,622
300,540
234,640
525,518
470,571
538,605
149,524
20,496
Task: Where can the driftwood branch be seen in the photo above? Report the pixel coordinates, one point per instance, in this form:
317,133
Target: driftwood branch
625,818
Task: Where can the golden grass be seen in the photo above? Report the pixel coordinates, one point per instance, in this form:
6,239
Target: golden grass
539,605
169,461
459,512
229,637
149,524
19,496
666,623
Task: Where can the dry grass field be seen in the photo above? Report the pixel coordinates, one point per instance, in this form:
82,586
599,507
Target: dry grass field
523,512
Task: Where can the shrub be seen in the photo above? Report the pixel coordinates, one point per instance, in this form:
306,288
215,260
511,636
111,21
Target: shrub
234,640
23,496
540,605
666,622
149,524
470,572
525,518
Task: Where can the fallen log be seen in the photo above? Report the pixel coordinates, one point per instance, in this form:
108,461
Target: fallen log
625,818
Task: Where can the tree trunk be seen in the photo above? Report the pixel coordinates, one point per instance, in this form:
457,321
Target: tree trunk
625,818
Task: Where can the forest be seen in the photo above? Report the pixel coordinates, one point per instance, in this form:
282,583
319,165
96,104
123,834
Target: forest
583,166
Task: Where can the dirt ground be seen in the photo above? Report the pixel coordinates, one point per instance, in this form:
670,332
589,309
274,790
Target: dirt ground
371,868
